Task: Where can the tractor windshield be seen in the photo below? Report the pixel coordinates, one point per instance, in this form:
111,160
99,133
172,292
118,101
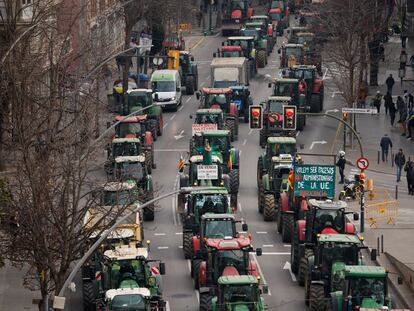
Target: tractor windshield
250,33
127,170
219,100
333,218
219,228
238,5
126,149
231,258
219,143
365,289
116,198
285,89
278,149
302,74
126,273
297,52
129,128
235,294
207,119
304,39
232,54
339,252
276,106
163,86
279,173
214,203
131,302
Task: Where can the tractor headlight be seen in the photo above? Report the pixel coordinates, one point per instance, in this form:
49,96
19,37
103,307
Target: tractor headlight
174,98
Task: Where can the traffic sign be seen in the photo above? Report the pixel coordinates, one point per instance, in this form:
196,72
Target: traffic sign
207,172
362,163
198,128
315,181
359,110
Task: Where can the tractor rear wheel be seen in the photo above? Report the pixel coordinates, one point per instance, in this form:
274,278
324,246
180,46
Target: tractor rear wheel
148,161
303,266
149,210
231,126
234,181
154,129
316,297
260,198
261,59
315,105
269,208
88,296
196,273
287,227
301,122
187,244
295,251
205,302
262,138
189,85
259,171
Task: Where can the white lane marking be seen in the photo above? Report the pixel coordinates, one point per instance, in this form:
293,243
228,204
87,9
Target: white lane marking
324,75
189,265
276,253
173,116
179,136
261,232
181,108
180,233
202,83
198,296
180,246
287,245
162,247
170,150
250,132
159,234
267,245
298,133
167,306
240,152
321,142
288,267
188,99
174,202
244,142
240,207
261,273
165,125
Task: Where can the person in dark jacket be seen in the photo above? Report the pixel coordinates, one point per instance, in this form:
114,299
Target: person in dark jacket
390,84
409,168
399,163
400,107
387,102
385,144
392,111
341,165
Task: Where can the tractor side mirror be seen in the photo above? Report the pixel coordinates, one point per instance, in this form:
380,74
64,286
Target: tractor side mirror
373,254
192,58
162,268
190,116
245,227
198,95
108,125
259,251
400,280
356,216
265,289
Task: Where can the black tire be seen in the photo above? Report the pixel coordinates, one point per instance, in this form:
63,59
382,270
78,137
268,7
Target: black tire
231,126
205,302
260,198
189,85
316,297
196,275
148,161
303,267
259,171
301,122
315,105
269,208
88,296
160,125
149,211
261,59
262,138
234,181
187,244
287,227
295,251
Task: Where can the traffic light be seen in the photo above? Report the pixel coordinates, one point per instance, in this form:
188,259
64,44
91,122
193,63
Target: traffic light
256,117
345,116
362,181
289,117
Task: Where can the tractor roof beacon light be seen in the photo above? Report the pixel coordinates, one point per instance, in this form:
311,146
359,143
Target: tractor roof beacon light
289,117
255,117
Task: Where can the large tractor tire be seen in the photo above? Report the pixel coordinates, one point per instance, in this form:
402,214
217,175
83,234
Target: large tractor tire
269,208
160,122
189,85
262,138
303,267
148,161
187,245
301,123
196,273
315,103
316,297
154,129
261,59
88,296
260,198
234,181
294,257
149,211
259,171
231,126
287,227
205,301
279,223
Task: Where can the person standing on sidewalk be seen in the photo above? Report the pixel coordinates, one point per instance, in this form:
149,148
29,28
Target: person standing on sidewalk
403,39
341,165
387,102
410,126
399,161
392,110
377,101
385,144
409,168
390,83
400,107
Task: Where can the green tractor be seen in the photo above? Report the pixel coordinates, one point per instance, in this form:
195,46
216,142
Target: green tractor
236,292
212,119
294,88
221,98
266,30
293,31
324,266
291,55
189,72
132,299
199,202
272,184
234,14
248,49
133,169
123,267
364,288
261,44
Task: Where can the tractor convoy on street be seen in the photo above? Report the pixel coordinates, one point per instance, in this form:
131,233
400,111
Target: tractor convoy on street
326,250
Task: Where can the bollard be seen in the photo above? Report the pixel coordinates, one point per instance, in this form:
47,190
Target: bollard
396,192
378,156
378,246
382,243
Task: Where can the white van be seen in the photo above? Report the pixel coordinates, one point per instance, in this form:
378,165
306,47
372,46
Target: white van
166,85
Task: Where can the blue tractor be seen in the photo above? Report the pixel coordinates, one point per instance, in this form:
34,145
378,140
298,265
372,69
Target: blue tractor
241,97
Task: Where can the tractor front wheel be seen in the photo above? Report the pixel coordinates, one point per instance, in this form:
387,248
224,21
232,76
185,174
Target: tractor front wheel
295,251
148,161
149,211
160,125
187,244
231,126
259,171
262,138
303,267
234,181
88,296
287,227
261,59
205,302
260,198
269,207
196,273
189,85
315,104
279,223
316,297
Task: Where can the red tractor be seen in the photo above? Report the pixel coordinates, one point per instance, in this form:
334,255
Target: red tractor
229,51
321,217
235,13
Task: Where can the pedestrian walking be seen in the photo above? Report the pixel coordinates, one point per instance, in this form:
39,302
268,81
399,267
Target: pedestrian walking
387,102
377,101
409,131
399,161
385,145
390,83
392,111
410,102
199,17
403,39
341,165
410,125
400,107
404,118
409,168
406,98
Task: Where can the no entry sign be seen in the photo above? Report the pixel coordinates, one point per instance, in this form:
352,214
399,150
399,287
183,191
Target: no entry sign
362,163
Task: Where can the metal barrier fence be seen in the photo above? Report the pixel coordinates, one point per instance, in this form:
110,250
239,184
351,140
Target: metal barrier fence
380,207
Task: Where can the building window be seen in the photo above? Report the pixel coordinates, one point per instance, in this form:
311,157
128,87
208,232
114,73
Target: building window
27,9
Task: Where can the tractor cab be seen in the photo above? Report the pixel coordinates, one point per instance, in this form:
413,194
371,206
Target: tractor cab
291,54
258,25
186,60
122,147
131,299
218,140
293,31
275,15
138,99
200,177
280,145
130,127
216,98
309,74
241,97
273,114
130,167
239,9
305,38
229,51
210,116
246,44
279,170
118,193
289,87
216,226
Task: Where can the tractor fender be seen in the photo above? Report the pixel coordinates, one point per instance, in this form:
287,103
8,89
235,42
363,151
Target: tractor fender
322,283
304,206
184,180
349,228
196,244
311,262
301,225
317,85
148,138
226,180
284,202
265,179
203,273
249,12
233,110
253,269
